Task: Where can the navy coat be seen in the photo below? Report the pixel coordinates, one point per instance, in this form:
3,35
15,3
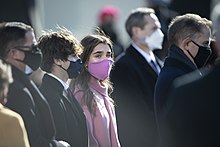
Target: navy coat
175,65
193,114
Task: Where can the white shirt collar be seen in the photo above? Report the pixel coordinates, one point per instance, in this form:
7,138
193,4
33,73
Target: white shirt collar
147,57
65,85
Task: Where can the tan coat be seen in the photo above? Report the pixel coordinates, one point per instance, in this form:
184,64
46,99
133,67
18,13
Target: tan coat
12,129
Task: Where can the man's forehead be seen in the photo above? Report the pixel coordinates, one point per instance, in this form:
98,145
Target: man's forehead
30,39
153,16
153,20
205,37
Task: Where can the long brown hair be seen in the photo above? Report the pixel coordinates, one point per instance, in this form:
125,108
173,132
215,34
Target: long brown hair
89,43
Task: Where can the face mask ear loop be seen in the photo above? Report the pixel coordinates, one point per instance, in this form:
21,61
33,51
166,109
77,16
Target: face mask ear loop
189,51
190,54
60,67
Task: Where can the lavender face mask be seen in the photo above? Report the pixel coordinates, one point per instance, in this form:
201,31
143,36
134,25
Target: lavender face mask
101,69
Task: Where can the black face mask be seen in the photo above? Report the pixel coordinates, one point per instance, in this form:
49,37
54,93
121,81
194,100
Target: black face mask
202,56
74,68
32,58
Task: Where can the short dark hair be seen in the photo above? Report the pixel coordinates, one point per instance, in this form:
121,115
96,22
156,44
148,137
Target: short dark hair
187,25
136,18
12,34
57,45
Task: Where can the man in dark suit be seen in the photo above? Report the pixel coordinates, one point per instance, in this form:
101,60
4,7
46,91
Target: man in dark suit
60,60
134,77
189,36
192,113
18,47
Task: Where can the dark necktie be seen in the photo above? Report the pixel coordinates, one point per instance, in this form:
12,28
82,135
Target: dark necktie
154,66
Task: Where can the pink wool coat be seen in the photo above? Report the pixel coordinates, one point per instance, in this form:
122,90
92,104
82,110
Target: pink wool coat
102,127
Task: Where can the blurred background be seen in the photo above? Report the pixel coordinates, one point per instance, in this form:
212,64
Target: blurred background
82,16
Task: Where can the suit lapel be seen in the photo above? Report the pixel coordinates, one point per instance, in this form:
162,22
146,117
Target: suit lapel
140,60
66,99
74,105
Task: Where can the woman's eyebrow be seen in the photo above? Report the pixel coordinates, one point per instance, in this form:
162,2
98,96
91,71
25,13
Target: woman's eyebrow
97,52
109,52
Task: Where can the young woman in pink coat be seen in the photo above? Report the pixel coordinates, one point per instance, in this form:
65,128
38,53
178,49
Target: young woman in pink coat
92,87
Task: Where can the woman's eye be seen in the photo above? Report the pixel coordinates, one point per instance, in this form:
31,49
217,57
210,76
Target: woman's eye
108,56
98,56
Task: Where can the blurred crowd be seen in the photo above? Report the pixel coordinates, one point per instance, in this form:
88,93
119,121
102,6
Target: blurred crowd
159,91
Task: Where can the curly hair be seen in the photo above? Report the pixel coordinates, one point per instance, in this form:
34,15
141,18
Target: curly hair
57,45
